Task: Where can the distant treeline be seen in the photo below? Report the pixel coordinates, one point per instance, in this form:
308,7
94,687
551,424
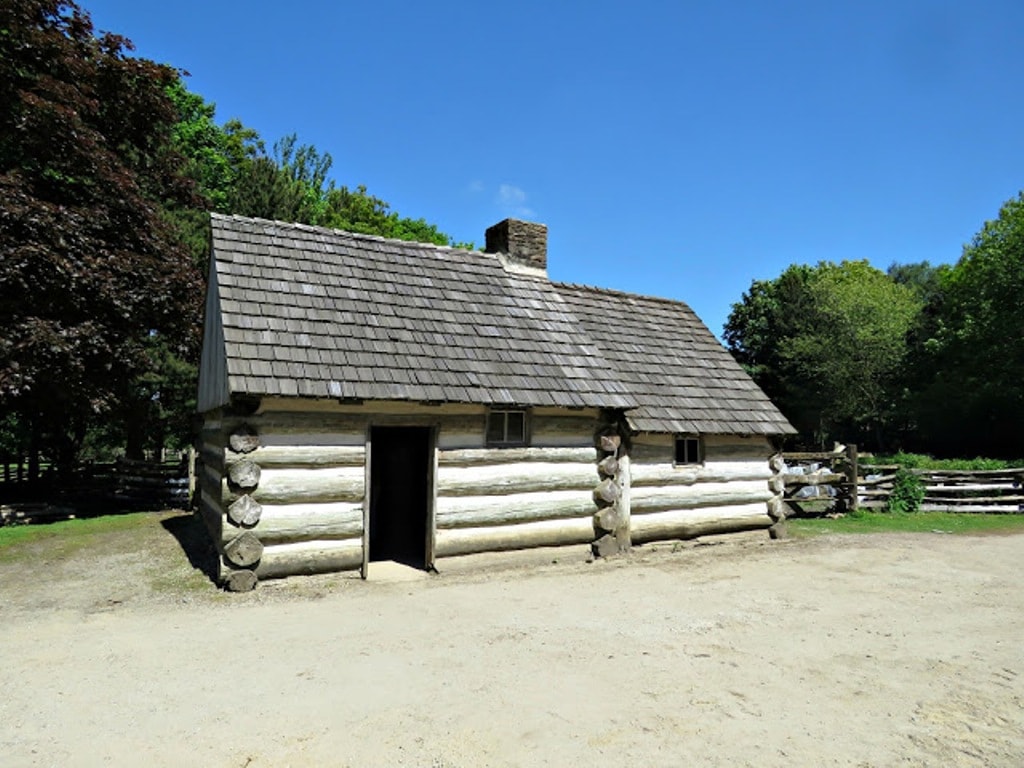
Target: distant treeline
922,358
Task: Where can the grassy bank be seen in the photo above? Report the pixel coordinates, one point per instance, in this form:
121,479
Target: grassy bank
68,536
914,522
141,554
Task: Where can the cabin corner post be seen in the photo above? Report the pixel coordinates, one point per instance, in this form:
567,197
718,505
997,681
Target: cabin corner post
242,548
612,519
777,509
209,479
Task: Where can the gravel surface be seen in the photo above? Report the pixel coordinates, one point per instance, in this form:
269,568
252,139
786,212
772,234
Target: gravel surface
876,650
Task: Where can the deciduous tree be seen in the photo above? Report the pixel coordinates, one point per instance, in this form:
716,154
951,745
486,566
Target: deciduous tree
90,268
972,402
827,344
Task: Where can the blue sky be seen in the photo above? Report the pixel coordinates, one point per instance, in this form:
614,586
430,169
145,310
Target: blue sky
677,149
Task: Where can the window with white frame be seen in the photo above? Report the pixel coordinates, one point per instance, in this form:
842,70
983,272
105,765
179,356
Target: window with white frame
506,426
689,450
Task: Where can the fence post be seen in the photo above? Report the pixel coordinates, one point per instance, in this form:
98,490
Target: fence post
193,479
853,470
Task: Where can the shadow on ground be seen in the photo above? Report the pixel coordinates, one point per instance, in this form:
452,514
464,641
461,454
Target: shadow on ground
190,534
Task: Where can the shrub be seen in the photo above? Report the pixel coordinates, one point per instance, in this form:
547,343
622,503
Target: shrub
907,492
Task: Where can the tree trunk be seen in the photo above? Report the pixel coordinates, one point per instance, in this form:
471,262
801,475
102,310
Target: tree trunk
33,453
135,440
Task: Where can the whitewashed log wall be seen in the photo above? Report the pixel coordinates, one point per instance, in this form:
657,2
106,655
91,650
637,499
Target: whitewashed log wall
730,492
491,499
283,492
290,499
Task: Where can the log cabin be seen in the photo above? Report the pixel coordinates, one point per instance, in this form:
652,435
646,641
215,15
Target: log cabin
367,399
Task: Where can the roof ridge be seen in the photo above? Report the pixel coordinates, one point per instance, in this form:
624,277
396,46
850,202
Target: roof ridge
334,231
625,294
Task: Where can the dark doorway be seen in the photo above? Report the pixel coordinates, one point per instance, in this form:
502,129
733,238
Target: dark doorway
400,462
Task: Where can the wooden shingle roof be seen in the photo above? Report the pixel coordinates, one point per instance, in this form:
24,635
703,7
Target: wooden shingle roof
311,312
684,380
314,312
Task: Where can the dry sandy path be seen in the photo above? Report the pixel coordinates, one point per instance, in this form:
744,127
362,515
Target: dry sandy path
840,651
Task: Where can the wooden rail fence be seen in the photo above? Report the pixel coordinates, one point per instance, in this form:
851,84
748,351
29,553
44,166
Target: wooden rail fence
97,488
842,480
819,482
998,491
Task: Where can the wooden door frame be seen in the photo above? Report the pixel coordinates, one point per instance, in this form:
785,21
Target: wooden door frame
364,569
431,533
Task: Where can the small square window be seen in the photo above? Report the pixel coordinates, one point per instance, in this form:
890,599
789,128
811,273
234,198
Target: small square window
515,427
688,450
506,427
496,427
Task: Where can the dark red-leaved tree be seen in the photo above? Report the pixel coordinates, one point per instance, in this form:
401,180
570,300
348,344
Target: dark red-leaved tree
94,283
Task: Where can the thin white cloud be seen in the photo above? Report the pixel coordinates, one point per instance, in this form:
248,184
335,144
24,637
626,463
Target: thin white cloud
476,187
512,200
509,194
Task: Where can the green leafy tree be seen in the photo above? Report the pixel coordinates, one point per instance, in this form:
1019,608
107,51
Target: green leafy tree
827,344
217,158
921,277
855,348
294,185
264,190
358,211
770,312
972,402
91,270
214,155
927,282
235,174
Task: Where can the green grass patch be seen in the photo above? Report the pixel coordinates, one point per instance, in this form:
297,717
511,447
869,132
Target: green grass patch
68,536
162,548
179,581
913,522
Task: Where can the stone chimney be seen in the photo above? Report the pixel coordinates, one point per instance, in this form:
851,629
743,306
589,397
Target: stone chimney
522,244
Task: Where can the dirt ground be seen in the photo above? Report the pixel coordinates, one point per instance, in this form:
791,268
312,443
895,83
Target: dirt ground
838,651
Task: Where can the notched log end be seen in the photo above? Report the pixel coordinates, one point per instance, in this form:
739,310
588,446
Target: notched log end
243,550
244,440
606,546
244,474
777,509
609,519
245,512
242,580
607,492
608,466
